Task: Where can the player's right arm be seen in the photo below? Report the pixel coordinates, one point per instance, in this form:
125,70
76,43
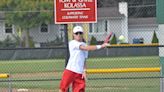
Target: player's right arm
93,47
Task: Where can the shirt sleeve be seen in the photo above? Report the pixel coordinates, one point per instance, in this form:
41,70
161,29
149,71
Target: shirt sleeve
86,54
78,44
75,44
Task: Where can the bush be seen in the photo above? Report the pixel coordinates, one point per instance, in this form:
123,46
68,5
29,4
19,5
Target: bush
113,40
93,41
7,43
58,41
155,39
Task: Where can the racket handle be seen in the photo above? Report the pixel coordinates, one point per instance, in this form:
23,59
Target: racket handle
108,45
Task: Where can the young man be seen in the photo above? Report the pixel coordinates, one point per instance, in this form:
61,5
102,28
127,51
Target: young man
75,70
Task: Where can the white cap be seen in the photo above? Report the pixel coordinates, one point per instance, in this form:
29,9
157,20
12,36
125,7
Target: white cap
77,29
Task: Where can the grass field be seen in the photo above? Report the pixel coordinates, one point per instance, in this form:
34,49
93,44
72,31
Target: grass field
45,74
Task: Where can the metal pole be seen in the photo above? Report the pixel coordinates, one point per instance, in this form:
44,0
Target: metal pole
162,74
161,82
66,44
10,83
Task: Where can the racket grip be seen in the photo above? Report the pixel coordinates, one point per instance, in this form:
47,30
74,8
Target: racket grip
108,45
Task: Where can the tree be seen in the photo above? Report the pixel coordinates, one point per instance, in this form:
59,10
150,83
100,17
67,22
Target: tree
8,42
26,14
155,39
113,40
93,41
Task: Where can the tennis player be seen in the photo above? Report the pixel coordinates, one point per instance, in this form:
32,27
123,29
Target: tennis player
75,70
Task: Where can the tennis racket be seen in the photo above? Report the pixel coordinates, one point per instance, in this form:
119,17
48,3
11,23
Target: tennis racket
107,39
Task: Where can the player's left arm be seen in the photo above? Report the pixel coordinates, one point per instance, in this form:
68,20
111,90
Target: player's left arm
93,47
84,75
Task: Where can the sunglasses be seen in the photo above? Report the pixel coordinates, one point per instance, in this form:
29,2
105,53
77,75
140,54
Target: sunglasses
79,33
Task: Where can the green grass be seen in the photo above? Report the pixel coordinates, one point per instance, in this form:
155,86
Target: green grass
45,69
31,66
123,62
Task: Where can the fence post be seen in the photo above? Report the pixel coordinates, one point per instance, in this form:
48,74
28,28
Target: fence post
10,83
9,80
66,43
162,74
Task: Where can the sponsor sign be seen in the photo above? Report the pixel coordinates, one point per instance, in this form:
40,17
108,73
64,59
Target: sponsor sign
75,11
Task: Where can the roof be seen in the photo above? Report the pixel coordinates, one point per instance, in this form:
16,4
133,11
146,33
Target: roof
108,12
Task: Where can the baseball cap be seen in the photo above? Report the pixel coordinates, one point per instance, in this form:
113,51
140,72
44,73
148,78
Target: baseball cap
77,29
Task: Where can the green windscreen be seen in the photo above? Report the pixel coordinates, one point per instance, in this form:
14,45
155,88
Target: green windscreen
160,11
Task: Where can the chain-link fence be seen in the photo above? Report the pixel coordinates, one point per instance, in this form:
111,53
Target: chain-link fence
37,75
33,49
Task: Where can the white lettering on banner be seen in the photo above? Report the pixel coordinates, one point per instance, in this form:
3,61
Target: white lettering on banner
70,17
73,0
83,17
74,13
75,17
64,1
74,5
85,0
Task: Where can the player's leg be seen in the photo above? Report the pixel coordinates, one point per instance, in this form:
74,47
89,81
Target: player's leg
67,79
78,84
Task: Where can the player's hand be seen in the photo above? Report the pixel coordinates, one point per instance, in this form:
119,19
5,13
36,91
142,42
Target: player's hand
84,75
